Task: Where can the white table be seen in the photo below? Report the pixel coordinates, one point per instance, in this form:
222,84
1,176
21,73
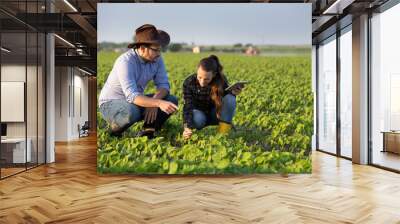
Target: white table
19,149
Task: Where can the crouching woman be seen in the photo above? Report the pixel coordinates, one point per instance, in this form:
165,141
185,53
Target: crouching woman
206,100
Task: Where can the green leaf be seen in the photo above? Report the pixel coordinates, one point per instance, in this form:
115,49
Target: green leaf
246,156
173,167
223,164
166,165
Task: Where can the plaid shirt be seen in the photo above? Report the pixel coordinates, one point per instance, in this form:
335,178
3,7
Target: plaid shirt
196,97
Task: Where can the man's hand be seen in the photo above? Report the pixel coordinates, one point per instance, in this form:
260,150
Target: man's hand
237,90
167,106
150,114
187,133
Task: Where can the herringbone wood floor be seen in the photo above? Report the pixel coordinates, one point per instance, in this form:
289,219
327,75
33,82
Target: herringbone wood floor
70,191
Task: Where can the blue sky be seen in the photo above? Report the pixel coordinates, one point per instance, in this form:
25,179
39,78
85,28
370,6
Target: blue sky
209,24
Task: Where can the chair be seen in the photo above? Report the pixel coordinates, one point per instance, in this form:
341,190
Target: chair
84,130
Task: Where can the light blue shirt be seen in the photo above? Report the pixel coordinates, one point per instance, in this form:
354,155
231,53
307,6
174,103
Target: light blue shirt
130,75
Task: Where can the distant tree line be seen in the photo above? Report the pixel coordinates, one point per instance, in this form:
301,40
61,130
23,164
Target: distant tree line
235,48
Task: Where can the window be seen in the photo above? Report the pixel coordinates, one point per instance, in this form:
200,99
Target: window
346,92
23,77
385,88
327,95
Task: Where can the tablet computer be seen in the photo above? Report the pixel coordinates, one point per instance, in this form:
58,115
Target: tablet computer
239,83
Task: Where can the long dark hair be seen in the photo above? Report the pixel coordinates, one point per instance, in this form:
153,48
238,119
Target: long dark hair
212,64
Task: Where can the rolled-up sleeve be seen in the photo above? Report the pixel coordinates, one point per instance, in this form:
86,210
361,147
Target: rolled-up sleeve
161,77
126,77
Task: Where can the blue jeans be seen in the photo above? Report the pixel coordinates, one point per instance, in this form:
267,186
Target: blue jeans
202,119
120,114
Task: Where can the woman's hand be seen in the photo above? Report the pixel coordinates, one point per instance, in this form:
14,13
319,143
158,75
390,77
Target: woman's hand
237,90
187,133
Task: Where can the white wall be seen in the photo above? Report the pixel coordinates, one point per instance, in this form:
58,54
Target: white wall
70,83
12,73
80,94
61,103
33,126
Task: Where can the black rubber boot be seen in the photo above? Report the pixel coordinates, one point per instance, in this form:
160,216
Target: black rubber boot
146,132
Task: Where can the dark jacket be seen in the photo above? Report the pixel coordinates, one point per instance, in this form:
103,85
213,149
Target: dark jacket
196,97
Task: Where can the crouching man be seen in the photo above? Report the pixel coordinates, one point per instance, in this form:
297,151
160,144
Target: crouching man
122,101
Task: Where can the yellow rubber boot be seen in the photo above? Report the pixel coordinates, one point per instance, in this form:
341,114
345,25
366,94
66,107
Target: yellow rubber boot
224,128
